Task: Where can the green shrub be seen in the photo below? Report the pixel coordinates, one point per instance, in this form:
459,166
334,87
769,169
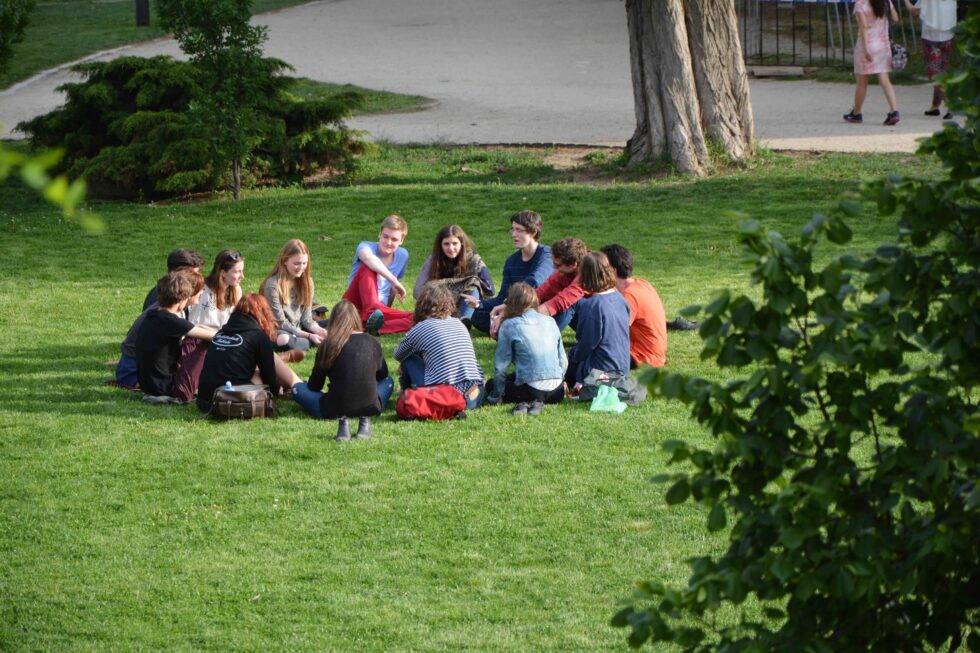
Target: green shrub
845,463
128,129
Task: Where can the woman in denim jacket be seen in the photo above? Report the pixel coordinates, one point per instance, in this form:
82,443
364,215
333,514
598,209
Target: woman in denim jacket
532,342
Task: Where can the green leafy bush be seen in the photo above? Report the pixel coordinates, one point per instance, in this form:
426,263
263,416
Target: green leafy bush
129,129
847,459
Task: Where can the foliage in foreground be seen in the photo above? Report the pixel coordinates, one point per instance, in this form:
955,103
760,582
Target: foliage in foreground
126,129
846,461
14,15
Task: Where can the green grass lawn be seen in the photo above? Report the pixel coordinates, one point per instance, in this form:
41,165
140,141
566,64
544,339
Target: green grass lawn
60,31
126,526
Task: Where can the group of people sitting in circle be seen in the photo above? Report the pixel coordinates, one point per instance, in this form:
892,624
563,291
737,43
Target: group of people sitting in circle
198,333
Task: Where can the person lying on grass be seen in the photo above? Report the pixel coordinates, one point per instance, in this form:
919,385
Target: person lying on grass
289,291
374,281
242,352
648,320
437,350
454,263
531,263
159,339
531,342
358,373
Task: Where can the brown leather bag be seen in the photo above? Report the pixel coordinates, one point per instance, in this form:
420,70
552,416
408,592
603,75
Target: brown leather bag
242,402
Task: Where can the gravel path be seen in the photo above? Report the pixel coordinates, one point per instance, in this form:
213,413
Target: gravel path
513,71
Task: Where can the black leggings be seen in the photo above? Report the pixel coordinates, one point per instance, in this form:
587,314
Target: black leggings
514,393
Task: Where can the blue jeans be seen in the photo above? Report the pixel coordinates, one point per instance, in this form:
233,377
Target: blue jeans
465,310
126,372
413,375
310,399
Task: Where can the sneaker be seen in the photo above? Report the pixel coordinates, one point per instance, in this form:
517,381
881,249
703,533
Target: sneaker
682,324
535,408
375,321
292,355
891,118
931,112
850,116
948,116
519,409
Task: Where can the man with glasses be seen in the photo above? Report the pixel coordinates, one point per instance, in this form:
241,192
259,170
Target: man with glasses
531,263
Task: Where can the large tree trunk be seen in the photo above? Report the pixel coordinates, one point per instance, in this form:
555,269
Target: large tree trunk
689,82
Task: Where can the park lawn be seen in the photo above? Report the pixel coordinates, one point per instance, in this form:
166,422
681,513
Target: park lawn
61,31
127,526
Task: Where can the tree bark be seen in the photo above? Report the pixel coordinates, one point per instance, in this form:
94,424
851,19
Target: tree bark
237,178
689,83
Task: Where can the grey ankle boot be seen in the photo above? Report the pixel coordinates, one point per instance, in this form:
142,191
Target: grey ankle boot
343,430
364,428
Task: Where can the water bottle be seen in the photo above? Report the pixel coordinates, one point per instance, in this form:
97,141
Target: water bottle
227,385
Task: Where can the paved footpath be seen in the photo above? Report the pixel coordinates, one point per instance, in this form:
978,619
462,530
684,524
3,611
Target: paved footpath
513,71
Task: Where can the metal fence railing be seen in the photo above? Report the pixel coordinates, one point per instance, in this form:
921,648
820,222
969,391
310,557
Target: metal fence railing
808,32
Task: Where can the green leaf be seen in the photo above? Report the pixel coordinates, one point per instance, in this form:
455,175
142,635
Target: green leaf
716,518
792,537
678,492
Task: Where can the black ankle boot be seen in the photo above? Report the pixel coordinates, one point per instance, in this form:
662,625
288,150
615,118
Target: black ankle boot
364,428
343,430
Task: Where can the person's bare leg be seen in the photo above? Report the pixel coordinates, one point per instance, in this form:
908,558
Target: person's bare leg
888,89
860,92
285,375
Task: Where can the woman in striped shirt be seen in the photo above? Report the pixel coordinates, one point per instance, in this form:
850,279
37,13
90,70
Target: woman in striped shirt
437,350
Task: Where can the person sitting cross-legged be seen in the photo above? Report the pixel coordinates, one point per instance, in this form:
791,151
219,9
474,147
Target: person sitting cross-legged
159,338
648,321
354,365
532,343
437,350
531,263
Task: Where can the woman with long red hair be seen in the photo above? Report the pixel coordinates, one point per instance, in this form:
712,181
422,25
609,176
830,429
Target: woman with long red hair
243,352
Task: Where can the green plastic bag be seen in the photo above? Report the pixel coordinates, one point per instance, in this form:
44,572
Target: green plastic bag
607,400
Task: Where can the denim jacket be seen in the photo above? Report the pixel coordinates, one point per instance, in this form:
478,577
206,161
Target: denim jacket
531,342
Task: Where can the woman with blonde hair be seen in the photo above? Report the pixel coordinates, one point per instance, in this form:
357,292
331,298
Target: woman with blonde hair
355,366
289,291
243,352
531,342
454,264
603,330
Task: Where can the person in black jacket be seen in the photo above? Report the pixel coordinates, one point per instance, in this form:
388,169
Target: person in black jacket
355,365
243,352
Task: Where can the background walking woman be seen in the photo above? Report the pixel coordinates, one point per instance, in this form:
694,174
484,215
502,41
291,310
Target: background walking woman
938,20
873,56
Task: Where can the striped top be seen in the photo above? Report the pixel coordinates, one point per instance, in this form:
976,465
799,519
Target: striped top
446,351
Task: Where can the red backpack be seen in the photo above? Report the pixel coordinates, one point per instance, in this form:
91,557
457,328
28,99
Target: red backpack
431,402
